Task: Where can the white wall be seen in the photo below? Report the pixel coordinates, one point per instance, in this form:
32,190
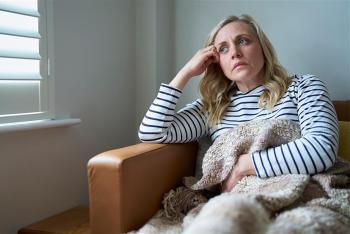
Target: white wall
310,37
43,172
154,62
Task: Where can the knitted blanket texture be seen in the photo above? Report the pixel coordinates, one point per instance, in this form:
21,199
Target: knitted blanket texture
283,204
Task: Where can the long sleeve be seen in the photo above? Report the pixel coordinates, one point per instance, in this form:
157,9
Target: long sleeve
162,124
317,148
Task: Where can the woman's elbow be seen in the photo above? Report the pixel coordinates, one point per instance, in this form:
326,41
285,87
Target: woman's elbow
328,166
329,161
150,138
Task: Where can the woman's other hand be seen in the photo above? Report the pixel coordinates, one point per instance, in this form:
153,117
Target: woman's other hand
195,66
243,167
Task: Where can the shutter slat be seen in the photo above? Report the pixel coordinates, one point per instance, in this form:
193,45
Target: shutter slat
19,69
19,25
18,77
22,33
19,47
20,55
26,7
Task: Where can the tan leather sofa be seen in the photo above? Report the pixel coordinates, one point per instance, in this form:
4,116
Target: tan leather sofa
126,185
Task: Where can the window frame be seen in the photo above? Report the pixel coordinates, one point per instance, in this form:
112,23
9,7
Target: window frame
46,94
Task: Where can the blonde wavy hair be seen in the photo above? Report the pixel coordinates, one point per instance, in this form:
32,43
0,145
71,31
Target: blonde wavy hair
216,89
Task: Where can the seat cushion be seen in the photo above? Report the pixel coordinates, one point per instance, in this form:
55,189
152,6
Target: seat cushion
344,140
203,145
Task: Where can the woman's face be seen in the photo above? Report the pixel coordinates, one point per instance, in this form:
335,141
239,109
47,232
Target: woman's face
241,57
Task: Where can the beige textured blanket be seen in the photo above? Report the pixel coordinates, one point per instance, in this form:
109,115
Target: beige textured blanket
287,203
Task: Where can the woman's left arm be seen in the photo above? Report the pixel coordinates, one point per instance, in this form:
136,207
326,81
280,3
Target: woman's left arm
317,148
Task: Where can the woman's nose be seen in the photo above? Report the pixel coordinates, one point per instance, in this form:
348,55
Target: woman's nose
236,53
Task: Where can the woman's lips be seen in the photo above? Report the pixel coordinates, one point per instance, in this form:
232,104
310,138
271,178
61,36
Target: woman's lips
238,65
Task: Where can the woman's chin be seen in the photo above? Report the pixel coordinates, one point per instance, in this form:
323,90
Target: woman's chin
239,76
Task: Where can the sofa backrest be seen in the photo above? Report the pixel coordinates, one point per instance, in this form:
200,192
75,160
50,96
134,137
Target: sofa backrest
343,110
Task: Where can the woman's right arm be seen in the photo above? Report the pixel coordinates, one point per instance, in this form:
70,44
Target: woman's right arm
161,123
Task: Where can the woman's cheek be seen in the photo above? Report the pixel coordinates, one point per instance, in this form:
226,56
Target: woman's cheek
222,64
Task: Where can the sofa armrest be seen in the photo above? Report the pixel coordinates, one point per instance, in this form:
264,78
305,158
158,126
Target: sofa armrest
126,185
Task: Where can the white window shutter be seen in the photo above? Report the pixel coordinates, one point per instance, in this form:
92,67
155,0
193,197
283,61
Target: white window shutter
24,78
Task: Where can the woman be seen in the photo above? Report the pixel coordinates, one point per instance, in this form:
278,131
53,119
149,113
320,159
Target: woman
244,81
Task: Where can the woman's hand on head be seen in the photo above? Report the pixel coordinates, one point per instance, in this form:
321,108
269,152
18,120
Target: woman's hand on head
195,66
243,167
201,60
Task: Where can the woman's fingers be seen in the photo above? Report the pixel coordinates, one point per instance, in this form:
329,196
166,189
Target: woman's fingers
211,51
230,182
209,48
201,60
211,56
216,57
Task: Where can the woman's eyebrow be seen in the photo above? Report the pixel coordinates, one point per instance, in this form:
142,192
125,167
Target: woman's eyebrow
219,44
234,39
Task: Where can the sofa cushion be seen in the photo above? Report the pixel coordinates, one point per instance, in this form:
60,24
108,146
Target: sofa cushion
203,145
344,140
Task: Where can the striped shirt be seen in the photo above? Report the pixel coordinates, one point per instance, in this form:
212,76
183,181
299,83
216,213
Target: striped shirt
306,102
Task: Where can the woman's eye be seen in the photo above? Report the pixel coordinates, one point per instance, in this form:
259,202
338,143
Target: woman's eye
223,50
243,41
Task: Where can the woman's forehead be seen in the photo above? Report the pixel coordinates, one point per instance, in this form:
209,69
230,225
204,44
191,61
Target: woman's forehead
233,30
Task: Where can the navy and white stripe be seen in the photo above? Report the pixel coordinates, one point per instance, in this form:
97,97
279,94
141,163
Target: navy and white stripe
306,102
162,125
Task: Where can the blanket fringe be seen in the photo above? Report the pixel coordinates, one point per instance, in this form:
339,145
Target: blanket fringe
177,203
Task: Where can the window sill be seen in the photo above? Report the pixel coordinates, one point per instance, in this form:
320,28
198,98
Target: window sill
38,124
